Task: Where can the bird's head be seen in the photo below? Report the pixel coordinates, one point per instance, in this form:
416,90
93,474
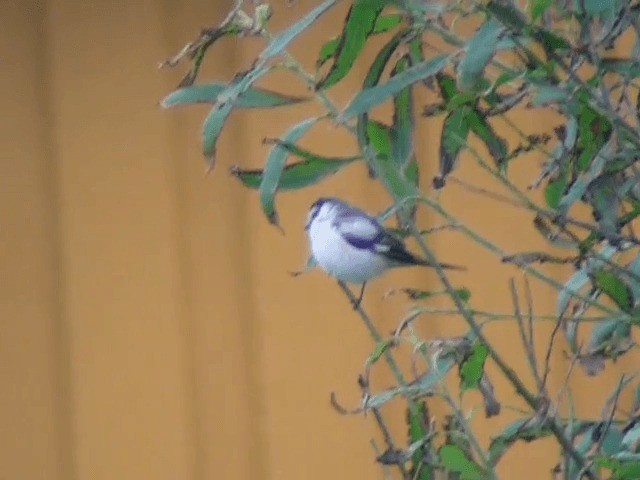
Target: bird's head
321,208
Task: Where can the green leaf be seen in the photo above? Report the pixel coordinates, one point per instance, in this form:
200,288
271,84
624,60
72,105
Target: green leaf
280,41
599,7
496,145
620,470
463,294
424,386
479,51
297,175
327,51
548,94
382,58
251,98
507,14
374,138
453,139
402,148
607,336
453,458
515,20
403,122
447,87
612,442
604,198
418,422
217,116
519,430
634,284
629,69
614,288
580,185
554,190
211,129
381,347
383,24
274,167
584,445
631,438
379,137
358,27
538,7
472,367
578,281
371,97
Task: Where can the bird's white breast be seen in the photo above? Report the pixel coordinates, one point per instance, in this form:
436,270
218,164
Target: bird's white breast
339,258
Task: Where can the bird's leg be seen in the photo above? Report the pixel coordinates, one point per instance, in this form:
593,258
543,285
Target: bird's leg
357,303
354,301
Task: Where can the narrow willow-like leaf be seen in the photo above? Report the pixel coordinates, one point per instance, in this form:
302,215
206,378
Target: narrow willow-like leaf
629,69
453,139
371,79
631,438
379,137
425,385
599,7
274,167
280,41
538,7
518,430
604,198
578,281
381,347
454,459
549,94
403,122
383,24
418,422
310,171
554,190
614,288
479,51
215,120
327,51
507,14
371,97
579,187
358,27
208,93
510,16
496,145
472,367
634,284
211,129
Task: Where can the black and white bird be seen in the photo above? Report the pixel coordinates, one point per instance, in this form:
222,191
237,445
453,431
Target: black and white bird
352,246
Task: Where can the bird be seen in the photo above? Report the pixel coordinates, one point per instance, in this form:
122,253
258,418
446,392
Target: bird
353,247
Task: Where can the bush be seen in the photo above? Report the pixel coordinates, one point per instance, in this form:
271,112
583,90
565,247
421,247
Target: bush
551,56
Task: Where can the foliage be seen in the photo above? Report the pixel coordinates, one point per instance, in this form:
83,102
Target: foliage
548,56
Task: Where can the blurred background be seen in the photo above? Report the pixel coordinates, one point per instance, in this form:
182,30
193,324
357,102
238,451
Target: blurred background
149,327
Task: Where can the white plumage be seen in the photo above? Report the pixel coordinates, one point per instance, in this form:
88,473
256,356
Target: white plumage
352,246
338,257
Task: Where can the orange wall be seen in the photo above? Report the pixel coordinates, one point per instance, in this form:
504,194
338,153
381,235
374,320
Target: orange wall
148,326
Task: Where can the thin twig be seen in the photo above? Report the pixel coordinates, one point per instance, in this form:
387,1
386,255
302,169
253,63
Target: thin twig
530,316
496,357
528,347
547,357
610,417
